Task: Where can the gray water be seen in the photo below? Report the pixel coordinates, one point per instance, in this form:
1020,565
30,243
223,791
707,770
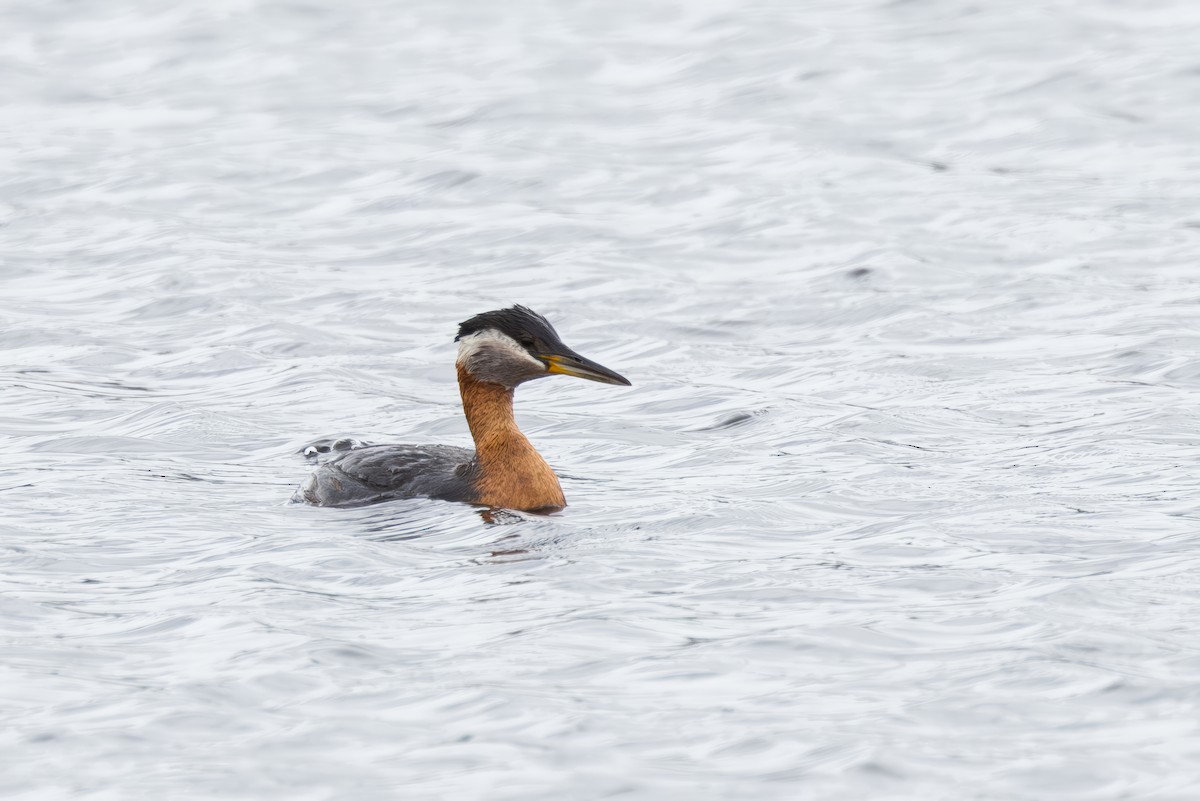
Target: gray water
901,505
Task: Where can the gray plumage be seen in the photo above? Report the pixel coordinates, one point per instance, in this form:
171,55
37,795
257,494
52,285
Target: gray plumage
386,472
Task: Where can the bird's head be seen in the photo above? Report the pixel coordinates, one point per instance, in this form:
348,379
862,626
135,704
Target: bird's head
512,346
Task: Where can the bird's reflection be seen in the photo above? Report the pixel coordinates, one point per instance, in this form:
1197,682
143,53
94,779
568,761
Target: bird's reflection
404,522
500,517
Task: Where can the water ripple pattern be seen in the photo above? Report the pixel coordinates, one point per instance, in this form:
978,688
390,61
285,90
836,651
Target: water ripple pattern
902,503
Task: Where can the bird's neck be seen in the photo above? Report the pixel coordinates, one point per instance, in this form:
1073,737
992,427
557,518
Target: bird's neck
512,474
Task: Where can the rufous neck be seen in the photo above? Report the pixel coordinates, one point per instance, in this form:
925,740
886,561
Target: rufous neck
512,474
489,411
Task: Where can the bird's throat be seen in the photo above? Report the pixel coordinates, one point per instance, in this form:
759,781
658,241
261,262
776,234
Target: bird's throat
512,474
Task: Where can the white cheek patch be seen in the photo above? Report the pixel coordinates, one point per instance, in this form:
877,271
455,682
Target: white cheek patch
495,343
498,358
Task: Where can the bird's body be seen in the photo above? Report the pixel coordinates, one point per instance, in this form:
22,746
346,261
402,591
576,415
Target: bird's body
497,352
384,472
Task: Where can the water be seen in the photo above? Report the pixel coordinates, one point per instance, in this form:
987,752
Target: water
901,504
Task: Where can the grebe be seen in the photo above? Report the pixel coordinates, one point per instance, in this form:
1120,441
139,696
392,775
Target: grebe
497,351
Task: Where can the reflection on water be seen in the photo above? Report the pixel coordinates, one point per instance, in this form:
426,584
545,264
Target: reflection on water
902,502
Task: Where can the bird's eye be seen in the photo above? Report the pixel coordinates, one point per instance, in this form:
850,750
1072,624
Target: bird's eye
527,343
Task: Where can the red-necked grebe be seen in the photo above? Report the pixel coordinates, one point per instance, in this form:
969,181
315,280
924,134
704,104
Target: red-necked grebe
497,351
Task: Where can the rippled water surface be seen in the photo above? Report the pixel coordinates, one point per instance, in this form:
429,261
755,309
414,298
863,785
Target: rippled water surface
902,503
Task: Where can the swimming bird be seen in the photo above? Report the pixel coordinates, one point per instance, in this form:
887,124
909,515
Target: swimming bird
497,352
